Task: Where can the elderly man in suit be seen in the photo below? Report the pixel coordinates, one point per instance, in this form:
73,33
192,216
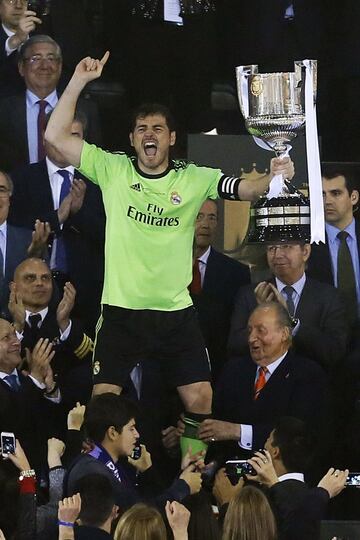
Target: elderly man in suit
16,243
22,116
320,330
216,280
29,404
54,192
254,391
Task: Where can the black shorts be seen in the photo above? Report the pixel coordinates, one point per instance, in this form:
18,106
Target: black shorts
126,336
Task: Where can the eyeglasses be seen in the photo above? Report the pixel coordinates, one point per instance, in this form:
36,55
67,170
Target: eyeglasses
4,192
283,248
14,2
36,59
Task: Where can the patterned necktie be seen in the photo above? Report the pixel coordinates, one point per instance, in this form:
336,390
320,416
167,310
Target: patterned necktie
12,381
41,128
288,290
346,276
195,285
260,381
61,259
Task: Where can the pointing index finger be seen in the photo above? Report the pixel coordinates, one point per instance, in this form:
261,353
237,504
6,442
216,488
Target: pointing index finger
105,58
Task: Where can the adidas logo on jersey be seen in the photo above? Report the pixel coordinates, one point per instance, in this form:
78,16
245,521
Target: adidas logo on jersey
137,187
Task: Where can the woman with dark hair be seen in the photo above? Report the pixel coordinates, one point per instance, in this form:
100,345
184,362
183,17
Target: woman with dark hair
203,524
249,517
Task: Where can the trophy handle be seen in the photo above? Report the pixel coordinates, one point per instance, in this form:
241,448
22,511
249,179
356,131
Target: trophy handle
242,77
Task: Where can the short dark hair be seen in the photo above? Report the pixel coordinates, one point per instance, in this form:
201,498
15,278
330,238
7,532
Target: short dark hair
350,171
295,442
97,499
79,116
37,38
107,410
146,109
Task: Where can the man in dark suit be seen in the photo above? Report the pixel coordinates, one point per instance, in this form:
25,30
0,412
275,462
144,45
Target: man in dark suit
320,330
341,199
216,280
253,392
29,406
22,116
35,317
16,243
76,218
298,508
16,24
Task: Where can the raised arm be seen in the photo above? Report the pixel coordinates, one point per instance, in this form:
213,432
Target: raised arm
58,131
250,190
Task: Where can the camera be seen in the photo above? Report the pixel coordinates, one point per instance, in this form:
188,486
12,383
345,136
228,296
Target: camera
237,468
41,7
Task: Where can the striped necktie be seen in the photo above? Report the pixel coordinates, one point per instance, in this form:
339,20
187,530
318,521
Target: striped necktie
260,381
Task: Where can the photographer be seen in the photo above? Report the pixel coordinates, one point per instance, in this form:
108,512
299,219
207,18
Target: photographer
17,23
280,467
110,424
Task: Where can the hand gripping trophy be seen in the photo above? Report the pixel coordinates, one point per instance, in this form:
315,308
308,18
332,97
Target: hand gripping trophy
276,106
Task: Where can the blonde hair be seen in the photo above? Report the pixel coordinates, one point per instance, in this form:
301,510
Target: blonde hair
249,517
140,522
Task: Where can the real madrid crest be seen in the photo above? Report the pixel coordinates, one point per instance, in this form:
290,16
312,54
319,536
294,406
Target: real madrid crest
96,367
175,198
256,87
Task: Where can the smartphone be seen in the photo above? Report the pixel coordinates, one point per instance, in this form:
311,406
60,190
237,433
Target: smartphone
353,480
137,451
8,443
237,468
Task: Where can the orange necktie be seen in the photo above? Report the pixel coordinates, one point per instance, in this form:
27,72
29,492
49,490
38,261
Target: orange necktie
260,381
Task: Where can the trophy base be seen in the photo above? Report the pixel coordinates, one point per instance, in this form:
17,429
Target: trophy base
280,219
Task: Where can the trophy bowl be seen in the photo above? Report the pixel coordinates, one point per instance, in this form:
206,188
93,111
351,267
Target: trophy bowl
273,107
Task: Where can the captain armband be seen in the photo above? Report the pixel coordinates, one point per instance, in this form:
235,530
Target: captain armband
228,188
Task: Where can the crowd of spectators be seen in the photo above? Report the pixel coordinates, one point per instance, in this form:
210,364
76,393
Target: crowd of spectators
284,353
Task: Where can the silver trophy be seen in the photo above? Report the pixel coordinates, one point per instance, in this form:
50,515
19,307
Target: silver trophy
273,106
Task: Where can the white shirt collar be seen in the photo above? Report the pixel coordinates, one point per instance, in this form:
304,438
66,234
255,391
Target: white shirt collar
7,31
42,314
297,286
32,99
292,476
3,374
52,168
3,228
204,257
271,367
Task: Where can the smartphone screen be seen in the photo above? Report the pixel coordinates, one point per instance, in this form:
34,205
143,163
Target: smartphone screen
8,443
353,480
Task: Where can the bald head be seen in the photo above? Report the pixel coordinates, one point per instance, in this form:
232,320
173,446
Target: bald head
33,281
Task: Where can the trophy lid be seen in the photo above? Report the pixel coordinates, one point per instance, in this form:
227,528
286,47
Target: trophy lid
280,219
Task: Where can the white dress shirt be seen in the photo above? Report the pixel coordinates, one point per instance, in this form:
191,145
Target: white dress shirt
246,436
32,113
3,238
